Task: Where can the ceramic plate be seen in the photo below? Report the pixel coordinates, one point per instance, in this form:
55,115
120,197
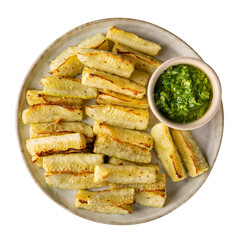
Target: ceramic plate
208,137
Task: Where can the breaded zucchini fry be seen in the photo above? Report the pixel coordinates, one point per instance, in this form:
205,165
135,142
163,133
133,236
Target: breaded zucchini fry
107,145
119,161
131,118
66,64
130,39
167,152
50,113
34,97
74,162
109,97
123,209
107,197
48,129
137,138
141,60
52,144
67,87
140,77
106,61
190,152
107,81
124,174
72,181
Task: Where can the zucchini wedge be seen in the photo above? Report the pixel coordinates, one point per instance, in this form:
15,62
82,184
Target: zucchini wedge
38,159
51,113
151,198
140,77
72,181
48,129
106,61
130,39
107,197
109,97
131,118
72,163
144,62
124,174
148,194
123,209
34,97
167,152
66,67
190,152
137,138
107,81
52,144
66,64
67,87
119,161
159,185
105,144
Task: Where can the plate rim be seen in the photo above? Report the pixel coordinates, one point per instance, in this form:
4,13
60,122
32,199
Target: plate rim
18,117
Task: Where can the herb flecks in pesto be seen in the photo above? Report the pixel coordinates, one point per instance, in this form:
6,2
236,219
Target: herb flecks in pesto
183,93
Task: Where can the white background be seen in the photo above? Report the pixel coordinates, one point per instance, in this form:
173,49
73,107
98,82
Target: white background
28,27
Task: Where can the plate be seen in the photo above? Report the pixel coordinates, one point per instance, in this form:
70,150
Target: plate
208,137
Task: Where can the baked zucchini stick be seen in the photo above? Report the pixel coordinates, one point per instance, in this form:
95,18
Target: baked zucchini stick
148,194
109,97
124,174
107,197
137,138
48,129
74,162
52,144
51,113
130,39
72,181
160,185
38,159
131,118
144,62
140,77
66,64
120,161
190,152
167,152
123,209
34,97
107,81
105,144
67,87
106,61
151,198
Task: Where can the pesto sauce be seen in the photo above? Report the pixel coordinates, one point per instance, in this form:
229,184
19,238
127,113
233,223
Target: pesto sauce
182,93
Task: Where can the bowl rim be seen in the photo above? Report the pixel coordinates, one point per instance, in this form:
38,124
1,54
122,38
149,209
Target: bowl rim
216,92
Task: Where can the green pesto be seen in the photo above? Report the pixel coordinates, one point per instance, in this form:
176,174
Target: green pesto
182,93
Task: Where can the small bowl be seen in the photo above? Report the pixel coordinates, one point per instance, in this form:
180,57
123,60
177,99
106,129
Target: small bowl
216,93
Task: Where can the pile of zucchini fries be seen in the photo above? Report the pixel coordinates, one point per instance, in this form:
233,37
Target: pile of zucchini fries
113,154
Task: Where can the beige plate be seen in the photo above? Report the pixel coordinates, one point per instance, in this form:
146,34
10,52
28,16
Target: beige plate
209,136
